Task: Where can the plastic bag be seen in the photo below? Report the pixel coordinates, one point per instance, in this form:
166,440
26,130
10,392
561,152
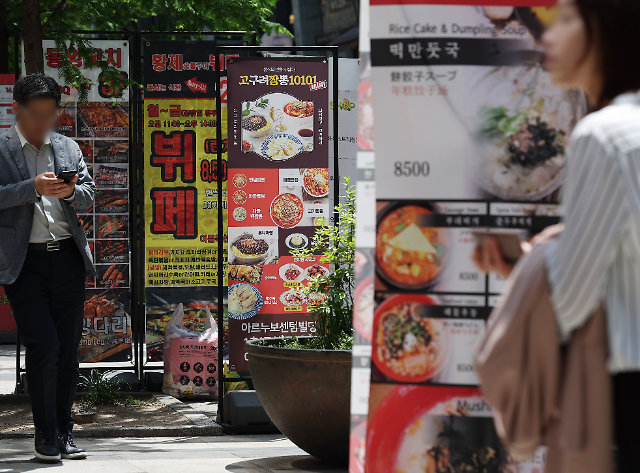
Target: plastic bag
190,358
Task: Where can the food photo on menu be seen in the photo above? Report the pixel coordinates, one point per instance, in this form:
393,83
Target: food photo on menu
417,429
111,151
277,126
66,124
413,336
253,246
107,326
409,254
111,176
419,248
523,124
303,199
103,119
86,148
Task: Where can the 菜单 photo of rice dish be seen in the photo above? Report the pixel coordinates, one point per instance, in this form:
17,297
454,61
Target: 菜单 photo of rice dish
523,125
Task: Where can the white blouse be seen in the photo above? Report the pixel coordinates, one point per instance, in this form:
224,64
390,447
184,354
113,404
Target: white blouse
597,256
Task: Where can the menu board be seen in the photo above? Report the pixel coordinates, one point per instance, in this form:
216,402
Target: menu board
279,193
100,126
469,132
180,185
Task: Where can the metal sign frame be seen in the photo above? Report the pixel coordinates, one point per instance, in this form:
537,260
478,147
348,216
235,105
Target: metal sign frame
332,54
136,191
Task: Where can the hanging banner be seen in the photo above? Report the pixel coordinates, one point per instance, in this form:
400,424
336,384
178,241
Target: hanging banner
469,132
181,194
279,174
100,126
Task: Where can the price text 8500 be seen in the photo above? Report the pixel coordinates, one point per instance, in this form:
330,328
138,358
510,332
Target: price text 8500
411,168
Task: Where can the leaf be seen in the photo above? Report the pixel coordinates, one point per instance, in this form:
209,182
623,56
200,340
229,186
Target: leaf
246,112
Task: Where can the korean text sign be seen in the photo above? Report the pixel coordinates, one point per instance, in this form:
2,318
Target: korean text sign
100,126
279,192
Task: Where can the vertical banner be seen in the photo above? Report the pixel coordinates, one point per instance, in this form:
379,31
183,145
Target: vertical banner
181,196
100,126
365,248
469,132
279,189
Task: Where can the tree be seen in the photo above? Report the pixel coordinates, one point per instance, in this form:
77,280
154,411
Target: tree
58,18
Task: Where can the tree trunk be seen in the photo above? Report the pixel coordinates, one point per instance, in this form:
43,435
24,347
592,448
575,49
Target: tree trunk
32,36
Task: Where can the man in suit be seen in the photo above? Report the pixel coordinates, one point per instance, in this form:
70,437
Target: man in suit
44,256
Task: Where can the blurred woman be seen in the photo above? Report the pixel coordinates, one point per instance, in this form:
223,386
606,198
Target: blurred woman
595,46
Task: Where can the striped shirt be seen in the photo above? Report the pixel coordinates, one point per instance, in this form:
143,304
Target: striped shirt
597,257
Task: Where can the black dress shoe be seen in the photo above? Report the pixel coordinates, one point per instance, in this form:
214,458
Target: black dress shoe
68,448
46,449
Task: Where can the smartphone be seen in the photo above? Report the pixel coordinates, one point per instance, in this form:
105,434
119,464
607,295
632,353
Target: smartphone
66,176
508,241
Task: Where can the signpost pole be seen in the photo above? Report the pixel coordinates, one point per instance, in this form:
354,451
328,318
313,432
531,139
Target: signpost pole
16,72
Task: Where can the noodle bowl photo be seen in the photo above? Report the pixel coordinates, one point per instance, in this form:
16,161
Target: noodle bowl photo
407,345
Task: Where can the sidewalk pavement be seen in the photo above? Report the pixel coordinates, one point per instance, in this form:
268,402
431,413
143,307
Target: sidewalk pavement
229,453
232,453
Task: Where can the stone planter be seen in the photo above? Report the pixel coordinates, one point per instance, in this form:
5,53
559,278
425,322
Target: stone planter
306,393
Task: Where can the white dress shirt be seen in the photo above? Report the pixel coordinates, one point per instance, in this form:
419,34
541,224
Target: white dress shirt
49,222
597,257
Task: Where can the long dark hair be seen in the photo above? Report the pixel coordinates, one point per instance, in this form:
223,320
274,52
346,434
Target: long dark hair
613,26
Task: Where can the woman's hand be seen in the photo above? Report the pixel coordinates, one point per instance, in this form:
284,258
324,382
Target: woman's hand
489,259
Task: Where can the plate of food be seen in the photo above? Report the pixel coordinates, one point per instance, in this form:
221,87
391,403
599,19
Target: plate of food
299,109
419,429
239,197
523,122
249,250
246,273
287,210
292,298
316,181
407,346
239,214
240,180
281,146
410,256
245,301
316,298
315,271
291,273
296,241
255,125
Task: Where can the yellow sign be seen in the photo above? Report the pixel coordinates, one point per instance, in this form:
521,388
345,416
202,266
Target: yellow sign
181,192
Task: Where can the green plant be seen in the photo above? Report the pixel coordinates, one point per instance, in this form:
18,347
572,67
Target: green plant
333,314
101,388
263,103
132,401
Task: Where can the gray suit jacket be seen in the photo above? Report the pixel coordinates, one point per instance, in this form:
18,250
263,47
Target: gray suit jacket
18,194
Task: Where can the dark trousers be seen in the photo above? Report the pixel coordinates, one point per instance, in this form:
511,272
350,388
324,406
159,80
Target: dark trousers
47,301
626,401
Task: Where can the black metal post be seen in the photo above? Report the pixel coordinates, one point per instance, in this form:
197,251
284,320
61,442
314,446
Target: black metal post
135,208
336,141
221,255
16,73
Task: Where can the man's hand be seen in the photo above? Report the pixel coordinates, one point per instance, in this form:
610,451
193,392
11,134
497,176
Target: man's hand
69,189
48,184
